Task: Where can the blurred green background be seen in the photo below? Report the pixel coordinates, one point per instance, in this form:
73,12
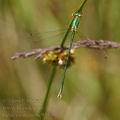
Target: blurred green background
92,85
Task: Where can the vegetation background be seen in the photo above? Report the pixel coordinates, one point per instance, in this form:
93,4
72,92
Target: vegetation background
92,85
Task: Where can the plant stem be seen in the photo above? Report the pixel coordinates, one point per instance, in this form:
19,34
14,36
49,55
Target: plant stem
67,33
81,6
45,103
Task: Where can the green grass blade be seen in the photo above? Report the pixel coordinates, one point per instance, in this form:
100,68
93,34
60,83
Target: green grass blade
81,6
67,33
42,112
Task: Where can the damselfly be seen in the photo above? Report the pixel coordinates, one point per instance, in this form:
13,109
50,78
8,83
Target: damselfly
74,24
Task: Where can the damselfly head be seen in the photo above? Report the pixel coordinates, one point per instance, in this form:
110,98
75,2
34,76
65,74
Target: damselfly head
76,14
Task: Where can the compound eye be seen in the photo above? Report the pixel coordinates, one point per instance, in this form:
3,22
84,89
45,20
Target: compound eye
74,14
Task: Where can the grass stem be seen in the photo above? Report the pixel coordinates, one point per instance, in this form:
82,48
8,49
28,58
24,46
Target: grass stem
45,103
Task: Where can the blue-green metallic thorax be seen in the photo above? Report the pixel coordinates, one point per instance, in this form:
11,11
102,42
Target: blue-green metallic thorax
76,21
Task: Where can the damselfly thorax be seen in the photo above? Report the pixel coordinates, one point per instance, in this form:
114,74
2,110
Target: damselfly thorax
76,22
